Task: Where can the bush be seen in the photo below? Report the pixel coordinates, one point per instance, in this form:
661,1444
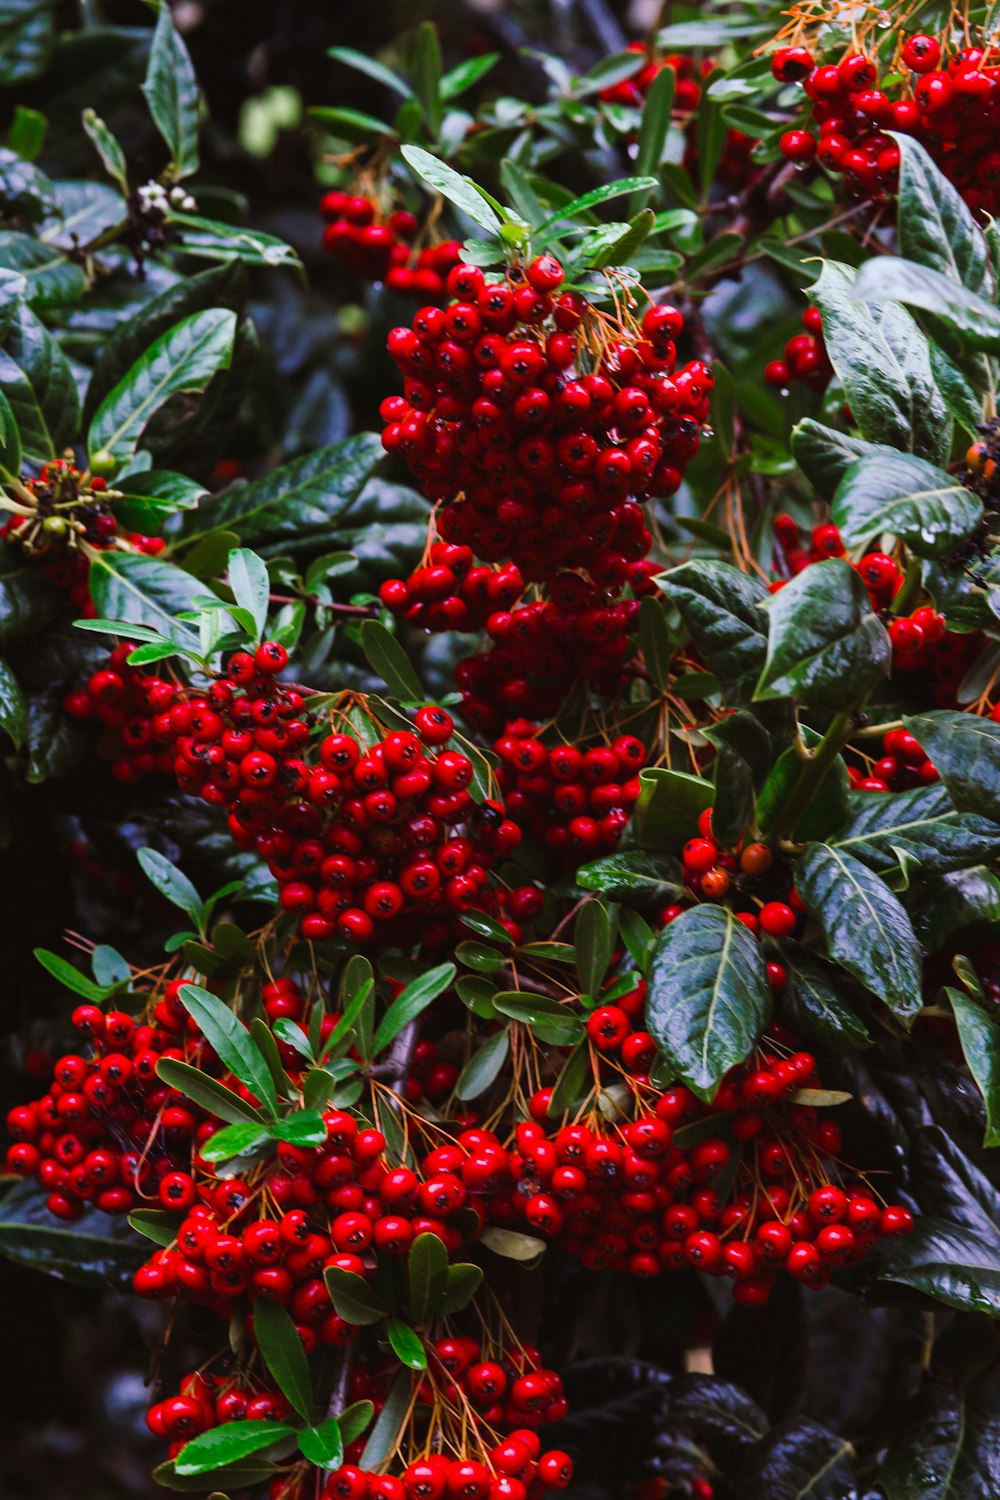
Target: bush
499,690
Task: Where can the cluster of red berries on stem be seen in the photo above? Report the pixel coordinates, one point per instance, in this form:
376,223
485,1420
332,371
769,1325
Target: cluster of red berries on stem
804,359
901,766
750,878
377,246
951,105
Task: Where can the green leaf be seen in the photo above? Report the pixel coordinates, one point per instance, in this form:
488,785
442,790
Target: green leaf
374,69
513,1245
824,454
466,74
389,661
483,1067
235,1140
221,240
13,708
865,927
593,199
549,1019
798,1461
10,439
323,1445
974,321
208,1092
935,226
634,874
184,359
107,147
36,378
145,591
592,940
922,824
946,1444
721,608
825,645
709,998
916,501
251,587
406,1345
814,1004
230,1039
742,762
883,362
94,1250
355,1419
966,751
427,76
156,1224
303,1127
979,1035
427,1275
355,1301
458,189
944,905
949,1263
620,250
666,814
171,91
70,976
569,1086
412,1001
653,130
171,882
384,1436
51,280
464,1281
227,1444
356,121
655,640
279,1343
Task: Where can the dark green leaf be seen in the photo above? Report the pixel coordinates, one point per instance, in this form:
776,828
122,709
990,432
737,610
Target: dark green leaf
227,1444
798,1461
483,1066
593,199
824,454
146,591
183,359
633,874
389,661
666,814
549,1019
883,362
825,645
241,1139
384,1435
156,1224
592,940
886,280
653,130
427,76
709,998
979,1035
355,1301
251,586
945,1447
741,765
654,636
323,1445
108,149
427,1275
467,73
463,1282
864,926
721,608
814,1004
13,709
452,185
94,1250
208,1092
38,383
936,228
171,882
916,501
69,975
171,91
412,1001
944,905
921,823
283,1354
230,1039
51,280
966,751
950,1264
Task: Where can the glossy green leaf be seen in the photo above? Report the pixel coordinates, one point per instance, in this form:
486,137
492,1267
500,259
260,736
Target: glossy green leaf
483,1067
36,379
865,927
966,751
427,1274
916,501
669,804
389,661
709,998
107,147
171,91
323,1445
592,940
979,1034
721,607
95,1250
208,1092
634,874
251,586
171,882
384,1435
412,1002
145,591
921,824
281,1347
427,76
946,1445
355,1301
230,1039
883,362
184,359
227,1444
241,1139
814,1002
70,976
406,1345
972,319
824,454
949,1263
459,190
826,646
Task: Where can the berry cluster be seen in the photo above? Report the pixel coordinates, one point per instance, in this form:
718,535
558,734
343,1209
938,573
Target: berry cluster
58,513
751,878
574,802
107,1132
451,592
635,1200
805,358
951,105
375,246
204,1401
921,640
362,839
901,765
516,1469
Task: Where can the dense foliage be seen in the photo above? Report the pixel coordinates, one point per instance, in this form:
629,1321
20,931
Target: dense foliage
500,692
